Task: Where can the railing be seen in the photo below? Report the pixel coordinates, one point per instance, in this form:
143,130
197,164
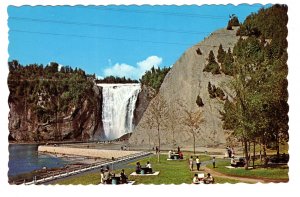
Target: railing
81,169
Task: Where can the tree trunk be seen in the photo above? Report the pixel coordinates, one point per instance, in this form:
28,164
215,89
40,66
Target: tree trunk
149,143
253,154
260,157
246,154
158,132
277,146
265,156
194,143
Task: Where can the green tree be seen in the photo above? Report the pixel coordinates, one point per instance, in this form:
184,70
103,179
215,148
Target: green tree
212,66
221,54
227,65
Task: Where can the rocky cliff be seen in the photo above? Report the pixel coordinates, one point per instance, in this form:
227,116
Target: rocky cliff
78,122
184,82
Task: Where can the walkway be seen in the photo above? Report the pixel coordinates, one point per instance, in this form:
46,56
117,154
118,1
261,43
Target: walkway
244,179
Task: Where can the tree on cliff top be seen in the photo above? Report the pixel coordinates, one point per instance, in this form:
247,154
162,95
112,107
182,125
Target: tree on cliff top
154,77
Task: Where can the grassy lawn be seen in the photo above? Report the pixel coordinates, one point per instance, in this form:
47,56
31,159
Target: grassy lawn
171,172
226,180
85,179
177,172
259,172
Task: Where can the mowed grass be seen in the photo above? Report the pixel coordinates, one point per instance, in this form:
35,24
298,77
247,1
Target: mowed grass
84,179
279,172
171,172
222,180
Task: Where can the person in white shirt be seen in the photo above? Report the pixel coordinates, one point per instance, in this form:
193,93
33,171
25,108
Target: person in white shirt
233,162
170,154
195,179
148,165
198,163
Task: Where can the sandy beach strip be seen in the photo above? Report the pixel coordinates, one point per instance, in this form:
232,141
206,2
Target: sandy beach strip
97,153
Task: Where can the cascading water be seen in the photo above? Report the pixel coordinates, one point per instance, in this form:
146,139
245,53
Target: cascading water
118,108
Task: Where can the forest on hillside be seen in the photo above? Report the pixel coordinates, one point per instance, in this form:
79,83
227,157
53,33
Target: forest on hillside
259,111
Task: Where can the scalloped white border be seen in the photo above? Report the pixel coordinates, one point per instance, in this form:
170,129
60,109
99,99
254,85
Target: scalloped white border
166,190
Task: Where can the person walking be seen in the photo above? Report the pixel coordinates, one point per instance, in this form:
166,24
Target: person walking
191,162
198,163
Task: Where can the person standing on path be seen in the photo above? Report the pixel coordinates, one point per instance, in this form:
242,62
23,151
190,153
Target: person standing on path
198,163
214,162
191,162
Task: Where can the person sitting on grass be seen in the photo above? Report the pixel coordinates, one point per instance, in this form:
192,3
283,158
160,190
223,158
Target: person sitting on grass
208,179
107,176
180,155
124,178
148,165
170,154
138,168
195,179
233,162
101,176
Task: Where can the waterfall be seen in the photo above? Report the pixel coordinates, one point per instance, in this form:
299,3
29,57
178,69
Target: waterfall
118,108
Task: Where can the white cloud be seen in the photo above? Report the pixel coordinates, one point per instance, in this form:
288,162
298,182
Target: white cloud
134,72
99,77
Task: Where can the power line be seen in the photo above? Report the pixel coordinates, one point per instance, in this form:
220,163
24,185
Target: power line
96,37
110,38
110,26
154,12
105,25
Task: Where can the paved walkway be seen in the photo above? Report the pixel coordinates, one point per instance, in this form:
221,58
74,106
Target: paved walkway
244,179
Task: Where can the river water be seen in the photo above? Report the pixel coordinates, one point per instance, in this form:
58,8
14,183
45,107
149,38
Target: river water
24,158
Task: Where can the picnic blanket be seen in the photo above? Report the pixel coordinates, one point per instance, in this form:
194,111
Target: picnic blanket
153,174
128,183
231,167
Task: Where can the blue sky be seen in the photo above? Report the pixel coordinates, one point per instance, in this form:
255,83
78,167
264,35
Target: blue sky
113,40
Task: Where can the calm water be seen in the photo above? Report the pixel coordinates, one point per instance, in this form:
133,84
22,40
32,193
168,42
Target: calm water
24,158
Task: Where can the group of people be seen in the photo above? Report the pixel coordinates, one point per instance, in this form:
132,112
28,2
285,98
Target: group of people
229,152
147,169
106,176
207,180
175,155
191,163
237,163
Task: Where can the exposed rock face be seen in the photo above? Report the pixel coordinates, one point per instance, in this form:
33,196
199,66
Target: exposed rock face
78,123
142,103
185,81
